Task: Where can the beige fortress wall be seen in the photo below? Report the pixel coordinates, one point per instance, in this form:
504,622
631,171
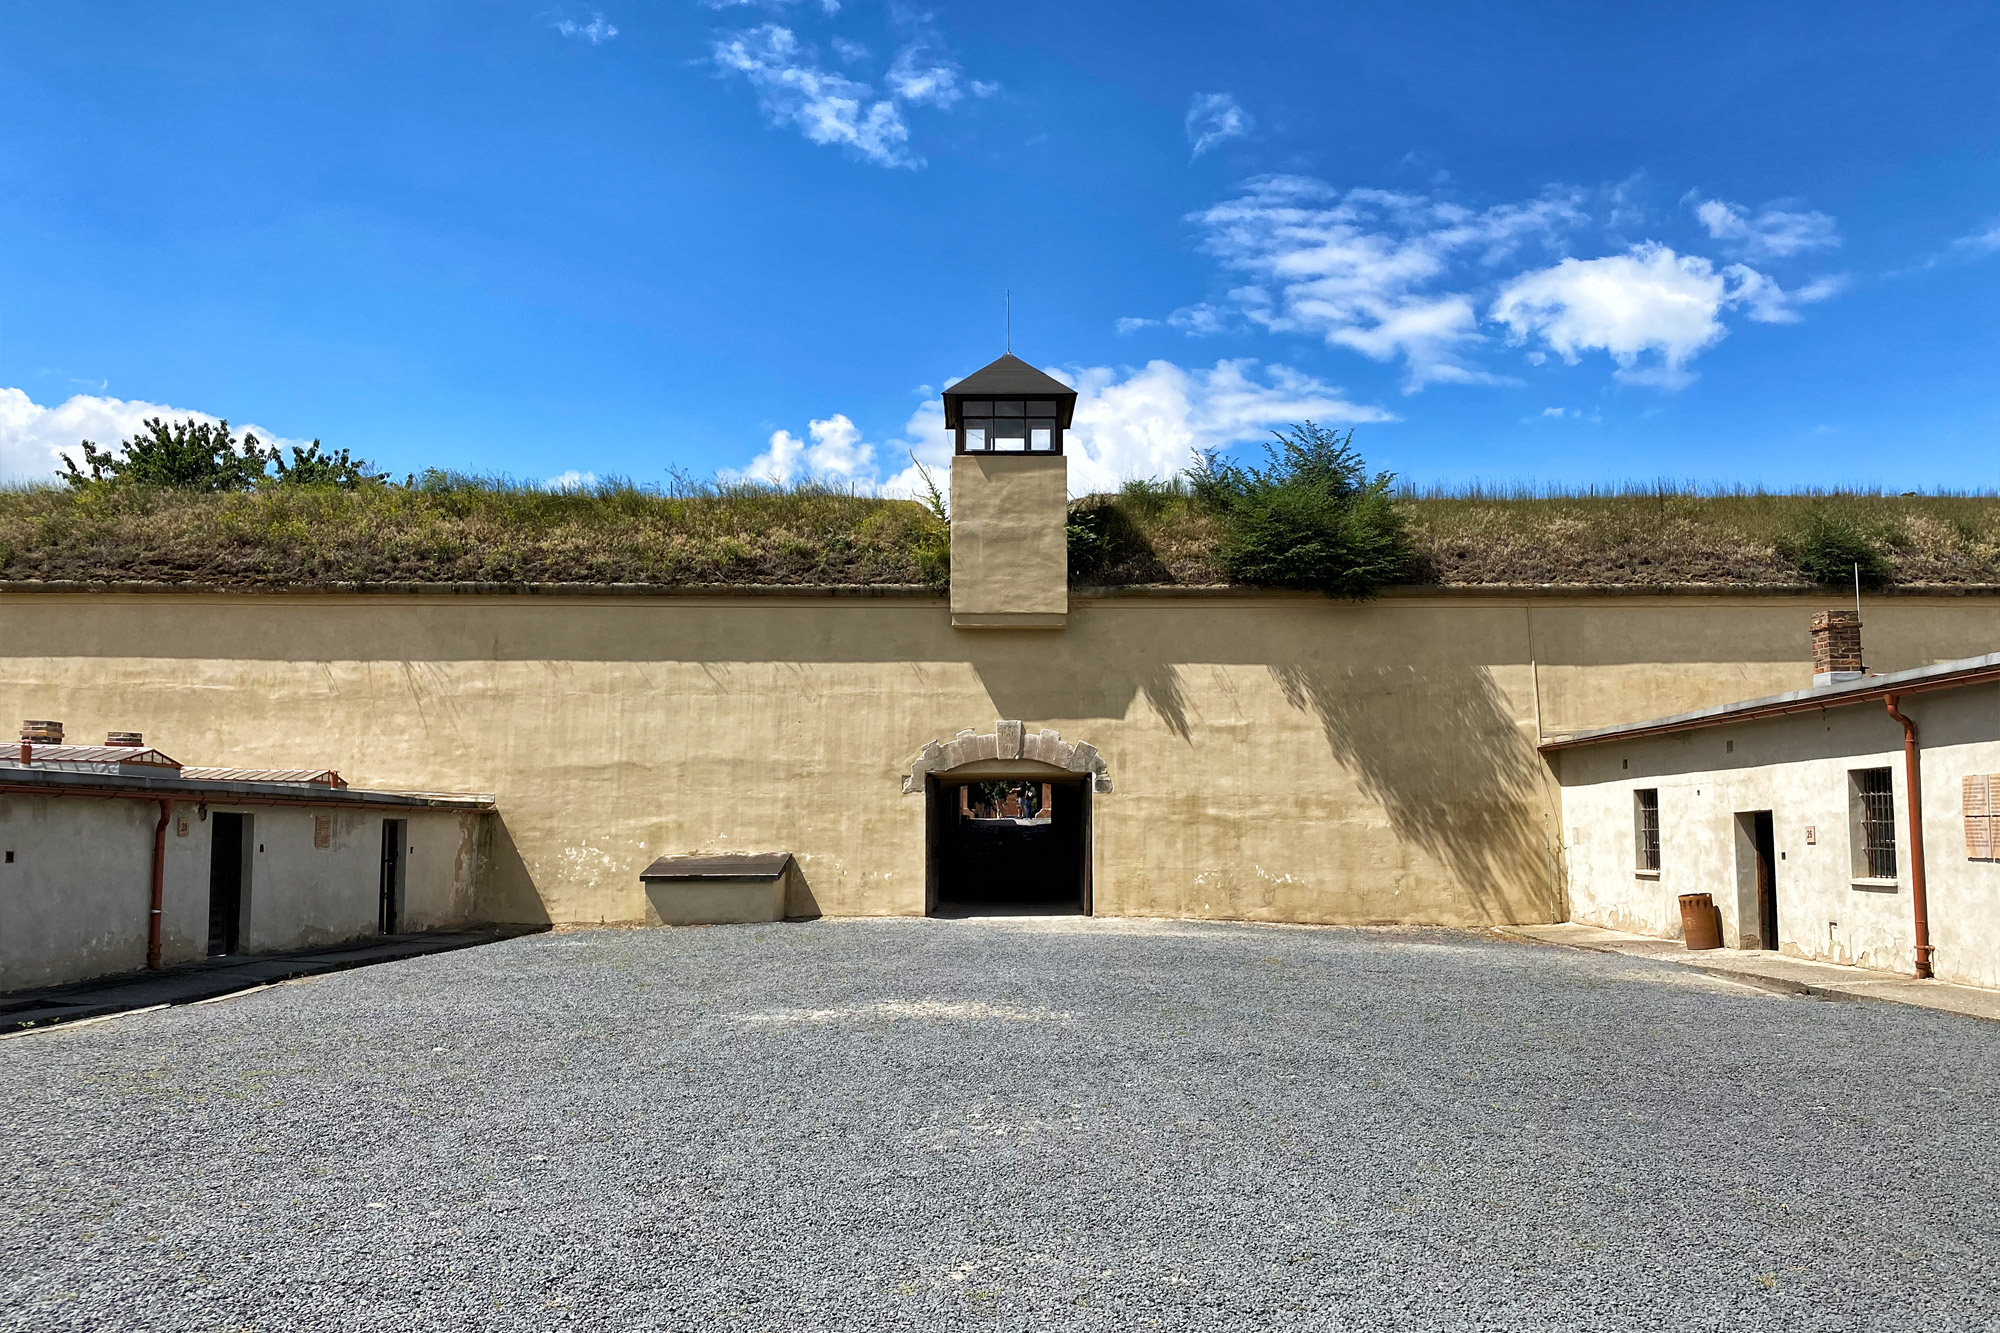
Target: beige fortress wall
1275,757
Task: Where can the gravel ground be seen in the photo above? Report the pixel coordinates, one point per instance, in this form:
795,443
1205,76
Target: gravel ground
1004,1124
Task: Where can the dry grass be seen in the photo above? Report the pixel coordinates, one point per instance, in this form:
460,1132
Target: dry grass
452,529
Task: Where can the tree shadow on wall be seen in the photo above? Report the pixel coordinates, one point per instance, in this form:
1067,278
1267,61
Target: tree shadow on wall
1438,748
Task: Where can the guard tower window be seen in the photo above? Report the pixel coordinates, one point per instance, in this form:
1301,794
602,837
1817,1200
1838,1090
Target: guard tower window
1009,426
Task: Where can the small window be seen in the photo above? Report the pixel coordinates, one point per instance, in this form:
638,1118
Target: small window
1010,436
1041,407
1008,409
975,437
1874,823
1041,436
975,408
1646,828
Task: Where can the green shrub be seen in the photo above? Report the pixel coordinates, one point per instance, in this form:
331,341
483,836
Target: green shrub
1310,517
313,466
187,455
1829,543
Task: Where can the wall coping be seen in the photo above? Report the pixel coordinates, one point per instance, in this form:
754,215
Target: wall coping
919,591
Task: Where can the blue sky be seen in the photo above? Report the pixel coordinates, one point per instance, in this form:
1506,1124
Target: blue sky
1566,243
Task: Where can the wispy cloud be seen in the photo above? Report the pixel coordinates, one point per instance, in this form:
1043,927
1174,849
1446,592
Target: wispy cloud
1437,285
828,108
1368,270
829,7
1773,233
1978,244
595,31
1215,118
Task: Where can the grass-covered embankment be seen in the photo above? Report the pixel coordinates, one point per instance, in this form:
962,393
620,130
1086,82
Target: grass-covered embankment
470,530
464,530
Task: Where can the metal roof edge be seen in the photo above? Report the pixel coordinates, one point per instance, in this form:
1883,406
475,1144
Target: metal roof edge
16,779
1965,671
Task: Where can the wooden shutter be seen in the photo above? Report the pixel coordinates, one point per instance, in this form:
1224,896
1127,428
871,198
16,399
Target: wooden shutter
1982,815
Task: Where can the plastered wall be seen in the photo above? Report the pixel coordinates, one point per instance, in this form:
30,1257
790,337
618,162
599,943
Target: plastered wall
1274,757
1009,540
1797,768
75,900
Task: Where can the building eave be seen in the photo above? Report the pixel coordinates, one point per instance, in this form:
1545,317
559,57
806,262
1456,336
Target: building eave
1965,672
25,780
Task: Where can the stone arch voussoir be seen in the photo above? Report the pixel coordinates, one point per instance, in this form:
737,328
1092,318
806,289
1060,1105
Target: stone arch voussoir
1009,740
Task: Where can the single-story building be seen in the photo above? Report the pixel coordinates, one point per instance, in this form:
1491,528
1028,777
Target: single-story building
116,857
1852,822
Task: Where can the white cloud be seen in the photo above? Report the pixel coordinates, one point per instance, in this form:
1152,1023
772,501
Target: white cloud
1197,321
829,7
1771,234
596,32
1404,277
1650,309
1132,324
35,439
572,480
831,108
1979,244
919,78
1363,270
833,452
1215,118
1129,423
827,108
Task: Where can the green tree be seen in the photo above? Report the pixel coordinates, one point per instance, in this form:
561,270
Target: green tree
187,455
313,466
1310,517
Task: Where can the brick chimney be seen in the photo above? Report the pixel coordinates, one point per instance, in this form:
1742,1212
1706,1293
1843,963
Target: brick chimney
41,733
126,740
1836,638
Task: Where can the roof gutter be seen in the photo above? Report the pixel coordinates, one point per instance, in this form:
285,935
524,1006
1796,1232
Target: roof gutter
159,884
1913,781
1815,702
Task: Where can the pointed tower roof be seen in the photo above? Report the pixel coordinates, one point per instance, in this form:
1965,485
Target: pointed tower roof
1009,377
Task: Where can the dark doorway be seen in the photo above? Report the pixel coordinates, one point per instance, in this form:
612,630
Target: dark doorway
1765,840
391,910
1001,846
228,835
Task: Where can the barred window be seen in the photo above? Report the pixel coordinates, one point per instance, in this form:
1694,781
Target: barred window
1646,827
1874,824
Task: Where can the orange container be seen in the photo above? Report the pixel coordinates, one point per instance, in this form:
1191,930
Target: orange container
1701,923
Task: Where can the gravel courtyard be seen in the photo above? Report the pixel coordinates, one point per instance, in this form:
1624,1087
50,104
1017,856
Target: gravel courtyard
1004,1124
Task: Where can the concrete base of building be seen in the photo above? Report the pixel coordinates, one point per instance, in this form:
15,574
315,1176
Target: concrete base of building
1771,971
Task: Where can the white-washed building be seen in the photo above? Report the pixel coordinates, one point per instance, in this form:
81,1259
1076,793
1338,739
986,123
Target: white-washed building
1854,822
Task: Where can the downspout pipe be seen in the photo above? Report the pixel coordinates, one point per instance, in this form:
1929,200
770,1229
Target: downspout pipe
1913,782
159,884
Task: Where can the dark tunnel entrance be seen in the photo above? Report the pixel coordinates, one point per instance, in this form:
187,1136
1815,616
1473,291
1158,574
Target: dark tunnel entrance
1008,846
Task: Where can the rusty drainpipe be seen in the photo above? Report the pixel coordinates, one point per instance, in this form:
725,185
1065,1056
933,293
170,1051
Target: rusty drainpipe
159,884
1913,781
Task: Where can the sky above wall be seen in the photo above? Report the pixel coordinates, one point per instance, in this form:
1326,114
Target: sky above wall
1565,243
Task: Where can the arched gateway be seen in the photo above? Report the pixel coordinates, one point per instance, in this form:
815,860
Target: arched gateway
1007,820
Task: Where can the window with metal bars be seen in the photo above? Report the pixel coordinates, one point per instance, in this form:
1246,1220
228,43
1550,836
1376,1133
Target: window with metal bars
1646,828
1874,824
